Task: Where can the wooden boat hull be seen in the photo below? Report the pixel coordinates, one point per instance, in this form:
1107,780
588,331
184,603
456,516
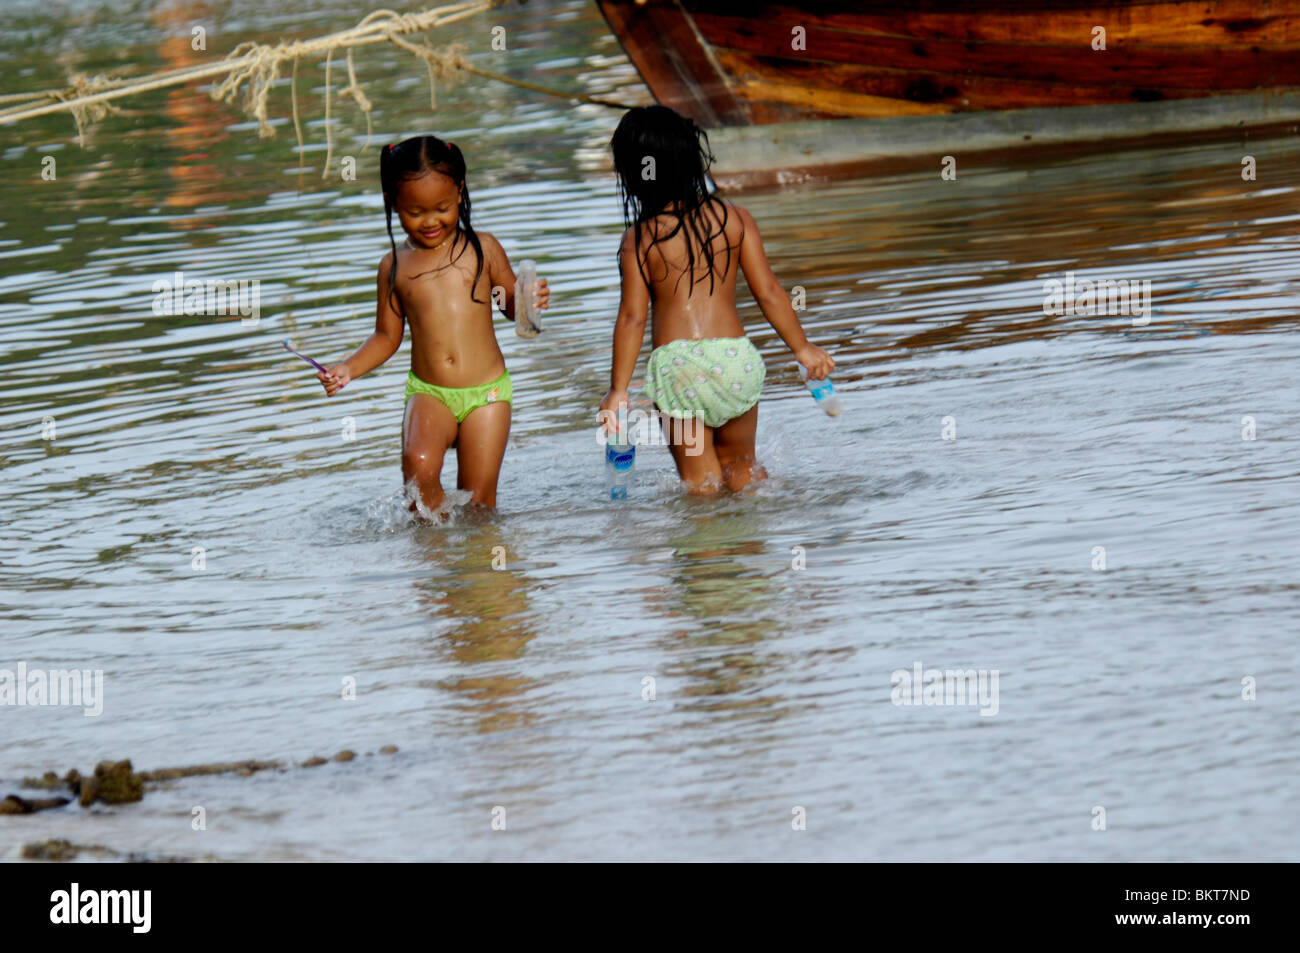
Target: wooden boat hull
733,66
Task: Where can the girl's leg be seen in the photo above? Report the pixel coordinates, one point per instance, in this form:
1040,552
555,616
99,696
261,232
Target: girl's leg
691,444
479,451
428,429
734,444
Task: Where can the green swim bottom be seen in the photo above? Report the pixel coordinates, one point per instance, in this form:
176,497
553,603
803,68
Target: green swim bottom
713,380
461,400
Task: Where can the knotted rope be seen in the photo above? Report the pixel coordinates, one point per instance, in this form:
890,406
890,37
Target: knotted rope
256,68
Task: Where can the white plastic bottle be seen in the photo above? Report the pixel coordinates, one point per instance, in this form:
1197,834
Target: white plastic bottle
823,392
528,318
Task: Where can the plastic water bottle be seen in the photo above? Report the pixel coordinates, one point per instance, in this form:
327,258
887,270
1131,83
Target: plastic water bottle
619,460
528,318
823,392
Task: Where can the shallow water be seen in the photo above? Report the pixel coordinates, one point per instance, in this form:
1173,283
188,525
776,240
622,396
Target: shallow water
522,687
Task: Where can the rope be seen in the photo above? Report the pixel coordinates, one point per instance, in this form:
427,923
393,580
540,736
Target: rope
354,90
549,90
297,124
17,97
256,68
254,63
83,113
329,138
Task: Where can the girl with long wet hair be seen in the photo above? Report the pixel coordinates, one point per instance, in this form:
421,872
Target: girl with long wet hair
680,255
440,280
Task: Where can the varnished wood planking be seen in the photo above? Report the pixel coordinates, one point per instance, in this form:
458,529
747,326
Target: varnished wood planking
1145,67
664,46
834,90
909,93
1208,23
731,63
833,102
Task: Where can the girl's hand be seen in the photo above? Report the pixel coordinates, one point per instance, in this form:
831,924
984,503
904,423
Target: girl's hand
612,409
542,295
337,378
819,363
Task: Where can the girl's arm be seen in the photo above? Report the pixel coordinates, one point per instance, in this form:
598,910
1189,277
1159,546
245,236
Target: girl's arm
629,329
501,275
775,303
380,346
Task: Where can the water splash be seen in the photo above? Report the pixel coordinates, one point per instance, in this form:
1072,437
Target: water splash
403,508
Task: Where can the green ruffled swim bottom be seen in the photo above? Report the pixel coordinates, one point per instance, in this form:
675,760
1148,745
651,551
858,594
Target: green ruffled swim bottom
461,400
713,380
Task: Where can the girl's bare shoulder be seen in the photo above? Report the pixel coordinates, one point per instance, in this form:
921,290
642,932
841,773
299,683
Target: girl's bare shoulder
493,251
726,214
634,231
742,213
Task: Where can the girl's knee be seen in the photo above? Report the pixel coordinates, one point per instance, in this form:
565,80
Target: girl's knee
421,465
741,472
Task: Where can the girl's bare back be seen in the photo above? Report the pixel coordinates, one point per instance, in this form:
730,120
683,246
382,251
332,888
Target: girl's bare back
680,310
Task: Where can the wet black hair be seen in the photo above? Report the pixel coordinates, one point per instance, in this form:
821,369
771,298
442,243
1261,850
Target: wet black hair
415,157
680,150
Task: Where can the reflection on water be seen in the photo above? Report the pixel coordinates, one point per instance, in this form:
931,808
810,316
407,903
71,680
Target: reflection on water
487,598
720,604
951,517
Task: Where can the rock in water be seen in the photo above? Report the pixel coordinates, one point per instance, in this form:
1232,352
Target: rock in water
57,850
14,804
114,783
